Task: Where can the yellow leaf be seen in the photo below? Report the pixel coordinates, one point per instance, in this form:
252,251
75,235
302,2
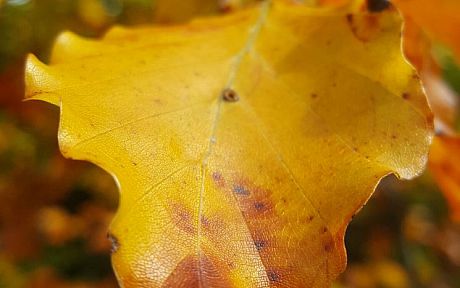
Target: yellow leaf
242,144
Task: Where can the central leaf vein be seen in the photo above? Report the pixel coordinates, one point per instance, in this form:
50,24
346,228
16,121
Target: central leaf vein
253,33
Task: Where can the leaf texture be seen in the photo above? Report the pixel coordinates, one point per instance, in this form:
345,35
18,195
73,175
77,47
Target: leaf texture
242,144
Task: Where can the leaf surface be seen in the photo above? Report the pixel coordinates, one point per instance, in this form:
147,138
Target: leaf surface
243,144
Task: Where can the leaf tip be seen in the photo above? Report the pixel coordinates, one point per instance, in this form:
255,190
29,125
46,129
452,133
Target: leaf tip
37,79
71,46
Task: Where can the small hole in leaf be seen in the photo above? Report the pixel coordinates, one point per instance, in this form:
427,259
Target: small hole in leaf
230,95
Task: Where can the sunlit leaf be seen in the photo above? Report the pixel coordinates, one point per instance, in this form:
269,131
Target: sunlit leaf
243,144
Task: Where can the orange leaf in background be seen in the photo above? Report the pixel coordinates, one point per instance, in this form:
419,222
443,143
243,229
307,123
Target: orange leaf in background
418,49
443,101
243,144
444,165
439,19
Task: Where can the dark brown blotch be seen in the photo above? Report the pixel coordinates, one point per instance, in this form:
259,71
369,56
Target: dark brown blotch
405,96
115,244
260,206
255,201
273,276
377,5
230,95
260,244
349,19
241,190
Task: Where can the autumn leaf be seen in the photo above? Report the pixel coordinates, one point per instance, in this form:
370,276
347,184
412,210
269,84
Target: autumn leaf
418,48
242,144
441,26
444,159
420,32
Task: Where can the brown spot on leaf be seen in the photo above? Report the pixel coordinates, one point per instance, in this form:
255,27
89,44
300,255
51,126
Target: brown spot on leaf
218,179
213,226
329,246
406,96
377,5
204,221
349,18
182,218
314,95
240,190
257,201
115,245
364,27
190,271
260,244
273,276
260,206
230,95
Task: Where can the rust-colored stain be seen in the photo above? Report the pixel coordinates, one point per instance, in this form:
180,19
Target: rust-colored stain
218,179
182,218
254,202
364,27
212,225
195,272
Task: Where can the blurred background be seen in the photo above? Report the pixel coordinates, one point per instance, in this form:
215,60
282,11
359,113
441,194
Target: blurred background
54,212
